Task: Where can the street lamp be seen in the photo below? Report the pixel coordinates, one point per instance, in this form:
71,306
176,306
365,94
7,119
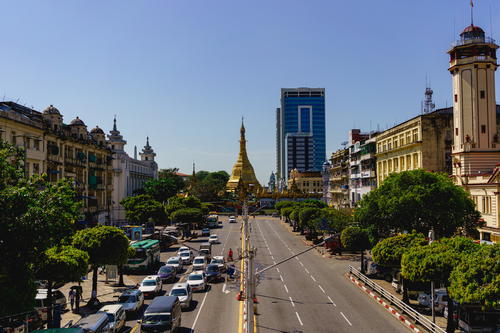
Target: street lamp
431,239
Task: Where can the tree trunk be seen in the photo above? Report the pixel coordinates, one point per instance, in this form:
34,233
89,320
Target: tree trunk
93,295
120,281
362,262
50,306
404,290
450,324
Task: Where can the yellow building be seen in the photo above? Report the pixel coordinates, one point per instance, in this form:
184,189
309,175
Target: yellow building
339,179
307,182
62,151
423,142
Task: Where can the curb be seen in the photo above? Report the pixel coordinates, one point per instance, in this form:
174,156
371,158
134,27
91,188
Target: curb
389,308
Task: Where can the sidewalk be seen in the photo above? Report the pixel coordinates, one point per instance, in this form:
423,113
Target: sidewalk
107,293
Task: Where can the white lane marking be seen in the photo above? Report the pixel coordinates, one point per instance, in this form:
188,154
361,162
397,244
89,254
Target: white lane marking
198,314
272,257
331,301
298,317
278,269
343,315
281,277
301,264
296,257
224,289
291,300
307,271
284,285
274,262
323,290
312,277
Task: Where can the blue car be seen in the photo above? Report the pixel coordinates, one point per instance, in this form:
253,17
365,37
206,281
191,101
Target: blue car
213,273
167,273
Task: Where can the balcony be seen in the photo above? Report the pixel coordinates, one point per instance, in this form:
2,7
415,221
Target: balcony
368,174
486,40
355,175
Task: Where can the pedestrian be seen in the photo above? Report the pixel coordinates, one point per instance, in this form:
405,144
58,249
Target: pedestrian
71,296
230,255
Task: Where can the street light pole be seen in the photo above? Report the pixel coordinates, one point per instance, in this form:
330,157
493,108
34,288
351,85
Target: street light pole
431,239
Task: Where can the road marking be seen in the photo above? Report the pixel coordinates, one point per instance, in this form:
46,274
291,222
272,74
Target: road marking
284,285
274,262
343,315
281,277
272,257
331,301
312,277
323,290
278,269
224,289
307,271
298,317
301,264
198,314
291,300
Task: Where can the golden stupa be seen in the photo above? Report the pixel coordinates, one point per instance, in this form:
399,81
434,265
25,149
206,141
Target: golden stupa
242,169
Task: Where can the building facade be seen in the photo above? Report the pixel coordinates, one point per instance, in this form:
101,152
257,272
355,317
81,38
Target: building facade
362,169
476,146
129,173
300,131
423,142
338,186
306,182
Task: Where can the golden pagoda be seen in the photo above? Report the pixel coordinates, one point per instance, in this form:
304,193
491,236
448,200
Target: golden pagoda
242,169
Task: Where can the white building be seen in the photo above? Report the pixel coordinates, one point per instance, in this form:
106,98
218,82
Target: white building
129,174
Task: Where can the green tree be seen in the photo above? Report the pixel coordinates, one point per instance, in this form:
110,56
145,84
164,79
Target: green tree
61,264
284,204
337,219
388,252
162,188
172,174
307,219
210,186
177,203
285,212
419,200
476,278
187,215
356,239
105,245
140,208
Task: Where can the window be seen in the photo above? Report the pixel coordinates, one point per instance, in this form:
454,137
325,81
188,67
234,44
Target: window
483,128
395,142
415,135
415,161
402,163
482,94
390,166
486,205
36,168
36,144
396,167
13,137
456,131
305,113
401,140
408,162
389,145
456,98
408,138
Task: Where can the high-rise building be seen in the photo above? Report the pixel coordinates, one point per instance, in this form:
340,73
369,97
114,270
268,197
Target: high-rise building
300,131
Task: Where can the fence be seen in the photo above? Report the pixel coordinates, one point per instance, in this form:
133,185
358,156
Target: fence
405,308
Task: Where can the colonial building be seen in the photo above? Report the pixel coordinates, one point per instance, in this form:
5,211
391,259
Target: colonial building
339,179
130,174
307,182
476,147
62,151
423,142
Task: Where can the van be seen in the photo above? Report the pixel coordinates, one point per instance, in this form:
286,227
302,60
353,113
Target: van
206,245
116,315
162,315
94,323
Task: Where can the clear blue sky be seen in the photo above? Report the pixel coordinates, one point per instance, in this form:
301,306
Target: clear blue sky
184,72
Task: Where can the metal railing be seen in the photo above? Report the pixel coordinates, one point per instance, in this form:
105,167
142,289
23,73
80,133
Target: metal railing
405,308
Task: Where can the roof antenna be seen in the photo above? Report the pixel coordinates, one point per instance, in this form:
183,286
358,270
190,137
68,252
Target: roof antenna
471,13
491,23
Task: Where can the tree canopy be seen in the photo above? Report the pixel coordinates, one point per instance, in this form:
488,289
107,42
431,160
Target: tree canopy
355,239
388,252
163,188
209,185
140,208
187,215
419,200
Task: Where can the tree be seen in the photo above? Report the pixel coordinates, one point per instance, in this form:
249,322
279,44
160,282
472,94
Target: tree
209,185
36,215
187,215
307,219
172,174
476,278
435,262
284,204
337,219
177,203
419,200
285,212
163,188
356,239
105,245
61,264
389,252
140,208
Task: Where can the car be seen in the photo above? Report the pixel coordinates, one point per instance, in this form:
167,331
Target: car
151,286
131,300
219,261
213,272
213,239
205,253
41,302
182,249
205,232
183,291
116,315
186,257
176,262
199,263
162,315
440,300
232,219
167,273
197,281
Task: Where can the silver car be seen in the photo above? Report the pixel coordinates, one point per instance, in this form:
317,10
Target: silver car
186,257
184,293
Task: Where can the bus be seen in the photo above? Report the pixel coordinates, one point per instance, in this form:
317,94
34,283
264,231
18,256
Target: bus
147,255
212,221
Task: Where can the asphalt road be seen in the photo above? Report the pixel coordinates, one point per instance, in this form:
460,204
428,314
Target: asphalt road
309,293
214,310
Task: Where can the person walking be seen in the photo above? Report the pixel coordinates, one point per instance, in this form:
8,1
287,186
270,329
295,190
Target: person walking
230,255
71,296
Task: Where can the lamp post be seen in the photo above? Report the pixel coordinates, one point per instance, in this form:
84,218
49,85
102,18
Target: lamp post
431,239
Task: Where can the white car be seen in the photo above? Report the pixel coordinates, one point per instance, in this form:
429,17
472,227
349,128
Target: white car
197,281
41,301
183,292
213,239
176,262
151,286
232,219
186,257
199,263
182,249
116,316
219,261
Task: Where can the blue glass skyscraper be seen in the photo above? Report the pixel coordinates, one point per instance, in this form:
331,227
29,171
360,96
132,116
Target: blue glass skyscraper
300,131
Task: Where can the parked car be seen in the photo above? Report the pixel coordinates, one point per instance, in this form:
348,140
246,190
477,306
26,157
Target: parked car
167,273
162,315
41,301
219,261
199,263
440,300
375,271
131,300
213,273
186,257
183,291
116,315
151,286
197,281
176,262
213,239
205,232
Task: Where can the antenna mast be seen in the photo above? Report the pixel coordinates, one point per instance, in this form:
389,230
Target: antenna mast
471,12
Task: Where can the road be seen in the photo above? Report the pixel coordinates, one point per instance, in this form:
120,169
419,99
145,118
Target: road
215,310
309,293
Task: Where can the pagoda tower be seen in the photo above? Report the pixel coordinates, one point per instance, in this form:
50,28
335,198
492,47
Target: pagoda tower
242,169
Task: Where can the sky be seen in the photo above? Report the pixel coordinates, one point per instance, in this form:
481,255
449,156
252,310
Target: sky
184,72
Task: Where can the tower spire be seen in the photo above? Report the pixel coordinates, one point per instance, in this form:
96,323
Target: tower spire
471,12
114,123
